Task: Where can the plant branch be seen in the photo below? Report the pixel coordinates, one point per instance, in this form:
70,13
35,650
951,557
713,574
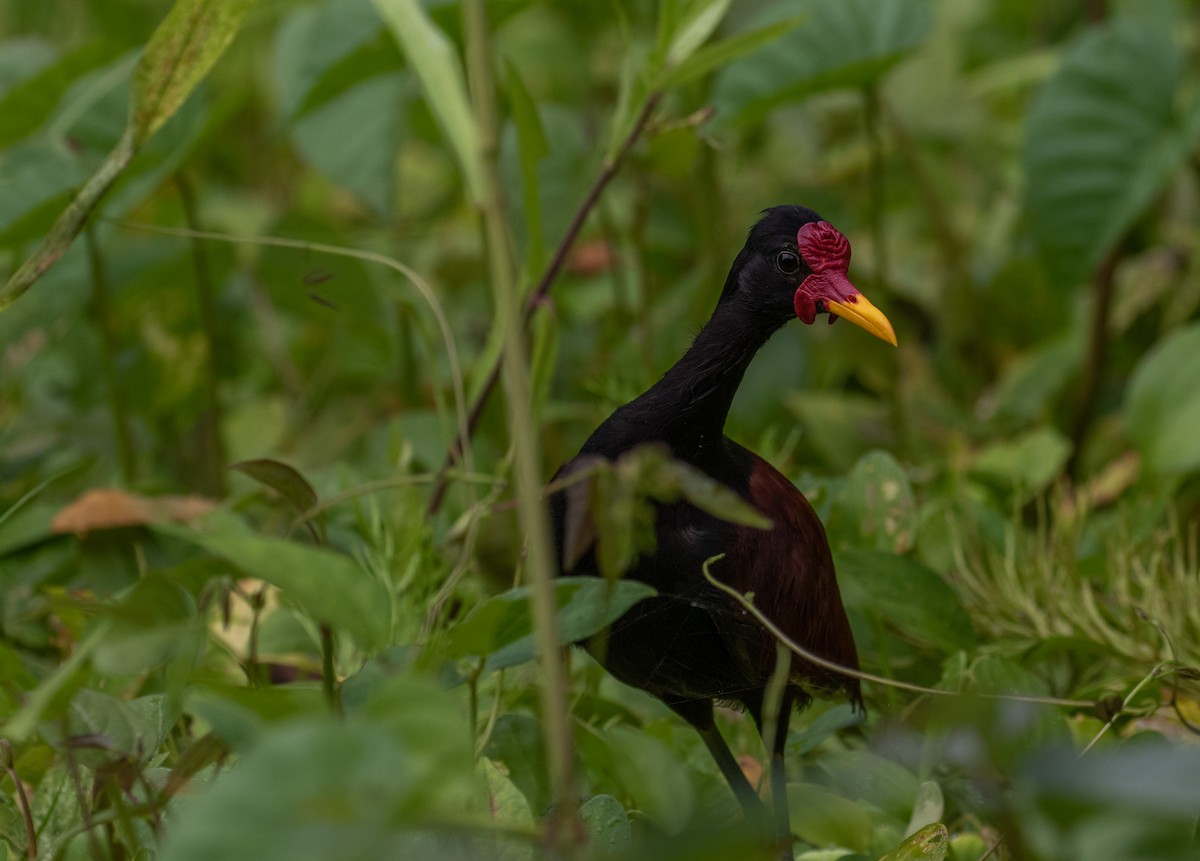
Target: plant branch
213,468
108,356
1103,287
539,292
565,832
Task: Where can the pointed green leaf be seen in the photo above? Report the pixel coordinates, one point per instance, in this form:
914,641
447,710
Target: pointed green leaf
329,586
432,57
178,56
700,21
502,627
281,478
727,51
930,843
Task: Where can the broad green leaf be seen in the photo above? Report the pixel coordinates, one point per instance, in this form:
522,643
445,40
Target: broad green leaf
102,728
319,53
364,162
904,595
841,43
875,507
608,828
27,105
1104,135
432,57
1162,407
320,788
502,627
178,56
155,621
930,843
329,586
507,807
341,88
517,742
654,775
1030,386
1029,462
825,818
868,777
240,716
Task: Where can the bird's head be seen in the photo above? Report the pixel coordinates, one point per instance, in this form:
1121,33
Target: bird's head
793,261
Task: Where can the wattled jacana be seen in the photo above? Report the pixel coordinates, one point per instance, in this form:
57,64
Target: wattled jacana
692,645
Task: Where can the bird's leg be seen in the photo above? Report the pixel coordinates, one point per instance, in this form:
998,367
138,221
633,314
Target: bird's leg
779,802
776,736
699,713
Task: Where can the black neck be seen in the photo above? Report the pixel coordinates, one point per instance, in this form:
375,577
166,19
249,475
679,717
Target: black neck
687,408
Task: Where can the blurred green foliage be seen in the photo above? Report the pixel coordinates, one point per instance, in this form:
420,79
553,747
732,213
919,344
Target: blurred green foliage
294,659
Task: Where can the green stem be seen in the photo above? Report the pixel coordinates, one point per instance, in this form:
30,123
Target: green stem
524,437
1103,288
542,289
213,466
108,357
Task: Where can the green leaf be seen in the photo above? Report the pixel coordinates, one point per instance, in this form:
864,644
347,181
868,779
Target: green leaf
868,777
824,818
102,728
653,774
502,627
930,843
698,23
25,106
281,478
330,587
155,621
1162,408
726,52
239,716
432,57
906,596
178,56
1104,135
608,828
875,507
532,147
1028,462
517,742
928,807
850,43
321,788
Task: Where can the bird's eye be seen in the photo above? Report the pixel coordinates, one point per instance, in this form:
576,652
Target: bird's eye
787,262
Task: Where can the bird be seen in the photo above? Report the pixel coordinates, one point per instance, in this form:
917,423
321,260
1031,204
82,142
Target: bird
691,645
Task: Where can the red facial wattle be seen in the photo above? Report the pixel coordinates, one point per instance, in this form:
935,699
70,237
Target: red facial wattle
826,252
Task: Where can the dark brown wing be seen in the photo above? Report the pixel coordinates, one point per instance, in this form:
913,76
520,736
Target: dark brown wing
790,570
